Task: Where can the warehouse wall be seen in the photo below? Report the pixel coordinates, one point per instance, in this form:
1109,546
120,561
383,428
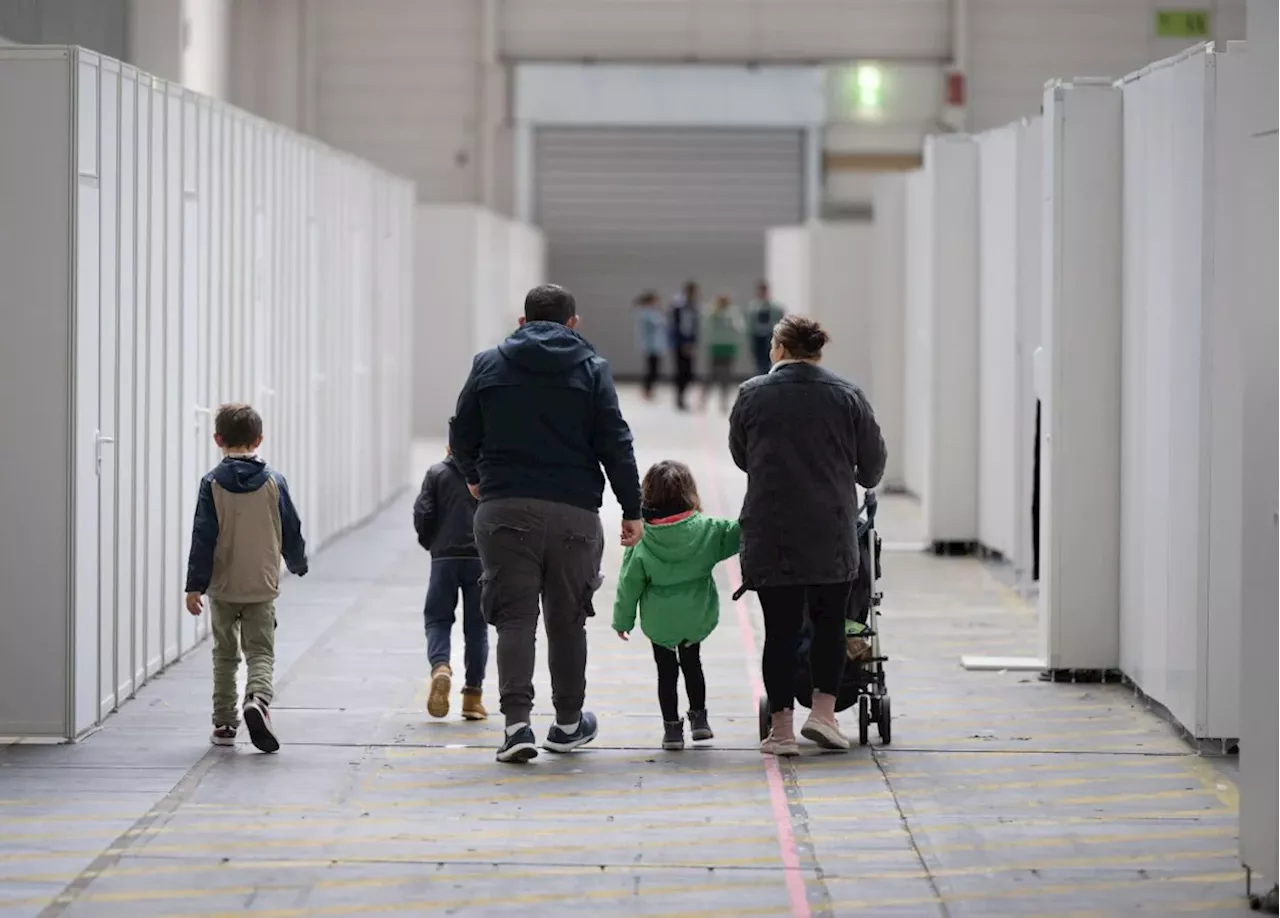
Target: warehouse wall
1015,46
98,24
348,72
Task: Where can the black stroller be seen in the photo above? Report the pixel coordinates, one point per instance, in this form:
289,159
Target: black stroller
863,683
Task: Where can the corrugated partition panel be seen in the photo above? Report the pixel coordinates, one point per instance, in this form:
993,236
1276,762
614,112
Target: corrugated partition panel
1176,400
998,503
1081,330
917,335
888,307
951,502
787,257
220,258
1030,192
840,298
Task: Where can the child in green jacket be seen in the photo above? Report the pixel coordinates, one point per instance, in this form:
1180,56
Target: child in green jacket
668,575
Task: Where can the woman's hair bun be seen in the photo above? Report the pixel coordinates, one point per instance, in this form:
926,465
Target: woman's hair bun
801,337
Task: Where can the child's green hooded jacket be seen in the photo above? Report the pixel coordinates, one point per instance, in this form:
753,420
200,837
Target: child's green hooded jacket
669,576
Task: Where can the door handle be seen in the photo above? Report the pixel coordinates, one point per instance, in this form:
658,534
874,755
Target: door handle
98,440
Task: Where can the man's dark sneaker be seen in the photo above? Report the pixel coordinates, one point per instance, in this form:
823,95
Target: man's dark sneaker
559,740
519,747
258,720
223,736
672,735
699,726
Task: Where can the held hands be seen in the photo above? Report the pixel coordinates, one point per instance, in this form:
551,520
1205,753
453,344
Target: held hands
625,635
195,604
474,489
632,530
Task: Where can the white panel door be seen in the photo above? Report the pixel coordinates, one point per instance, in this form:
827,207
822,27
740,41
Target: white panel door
997,339
128,624
201,422
142,592
86,441
187,418
153,495
108,390
174,417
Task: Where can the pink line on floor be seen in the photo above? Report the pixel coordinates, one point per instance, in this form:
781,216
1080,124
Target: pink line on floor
773,774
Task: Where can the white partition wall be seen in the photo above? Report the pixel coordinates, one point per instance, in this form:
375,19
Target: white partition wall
823,270
1011,160
1080,331
941,339
164,253
888,280
474,268
1257,312
786,257
1182,421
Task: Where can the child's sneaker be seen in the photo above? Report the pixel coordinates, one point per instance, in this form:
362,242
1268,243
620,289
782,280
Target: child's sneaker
441,683
472,707
223,736
699,726
258,720
672,735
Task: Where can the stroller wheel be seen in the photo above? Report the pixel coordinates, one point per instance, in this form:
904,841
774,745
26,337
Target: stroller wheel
864,719
884,721
763,713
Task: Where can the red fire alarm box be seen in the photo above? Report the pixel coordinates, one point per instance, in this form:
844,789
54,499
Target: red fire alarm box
955,89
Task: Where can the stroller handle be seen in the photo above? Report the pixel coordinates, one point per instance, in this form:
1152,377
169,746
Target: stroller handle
869,504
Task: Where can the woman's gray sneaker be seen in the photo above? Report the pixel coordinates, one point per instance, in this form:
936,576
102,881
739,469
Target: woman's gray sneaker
673,735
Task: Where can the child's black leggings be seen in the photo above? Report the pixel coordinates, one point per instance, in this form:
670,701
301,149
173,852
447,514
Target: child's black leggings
670,663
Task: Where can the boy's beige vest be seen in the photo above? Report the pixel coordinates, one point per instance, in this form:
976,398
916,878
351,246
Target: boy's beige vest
246,561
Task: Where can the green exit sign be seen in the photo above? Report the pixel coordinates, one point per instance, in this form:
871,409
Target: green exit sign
1182,24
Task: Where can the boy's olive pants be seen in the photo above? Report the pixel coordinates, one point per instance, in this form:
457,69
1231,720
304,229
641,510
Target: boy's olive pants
236,625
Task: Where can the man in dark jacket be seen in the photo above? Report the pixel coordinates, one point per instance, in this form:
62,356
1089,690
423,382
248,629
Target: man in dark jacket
444,517
536,421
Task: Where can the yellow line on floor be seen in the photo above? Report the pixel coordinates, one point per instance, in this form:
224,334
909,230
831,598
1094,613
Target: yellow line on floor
476,902
1036,892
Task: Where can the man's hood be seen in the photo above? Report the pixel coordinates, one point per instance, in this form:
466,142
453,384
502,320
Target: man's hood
241,474
546,347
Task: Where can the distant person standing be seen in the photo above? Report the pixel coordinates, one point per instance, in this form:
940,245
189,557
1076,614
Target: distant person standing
724,330
685,322
536,420
651,336
763,315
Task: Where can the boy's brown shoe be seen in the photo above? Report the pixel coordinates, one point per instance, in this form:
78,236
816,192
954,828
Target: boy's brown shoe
438,696
472,706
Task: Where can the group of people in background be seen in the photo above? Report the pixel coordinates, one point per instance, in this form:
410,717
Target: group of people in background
721,332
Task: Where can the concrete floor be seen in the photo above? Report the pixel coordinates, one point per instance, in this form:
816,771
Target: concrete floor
1000,796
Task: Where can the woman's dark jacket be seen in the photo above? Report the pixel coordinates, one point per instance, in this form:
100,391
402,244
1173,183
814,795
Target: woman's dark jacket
804,436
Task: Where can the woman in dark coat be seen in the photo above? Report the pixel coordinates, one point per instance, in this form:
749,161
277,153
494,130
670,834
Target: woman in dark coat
805,437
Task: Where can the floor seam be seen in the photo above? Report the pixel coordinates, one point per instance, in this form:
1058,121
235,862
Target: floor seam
911,837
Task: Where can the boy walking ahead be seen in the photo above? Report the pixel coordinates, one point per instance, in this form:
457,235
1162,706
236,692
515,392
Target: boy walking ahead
244,523
444,517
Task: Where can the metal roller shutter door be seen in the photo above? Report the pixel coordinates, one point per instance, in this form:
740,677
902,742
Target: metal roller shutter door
628,209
